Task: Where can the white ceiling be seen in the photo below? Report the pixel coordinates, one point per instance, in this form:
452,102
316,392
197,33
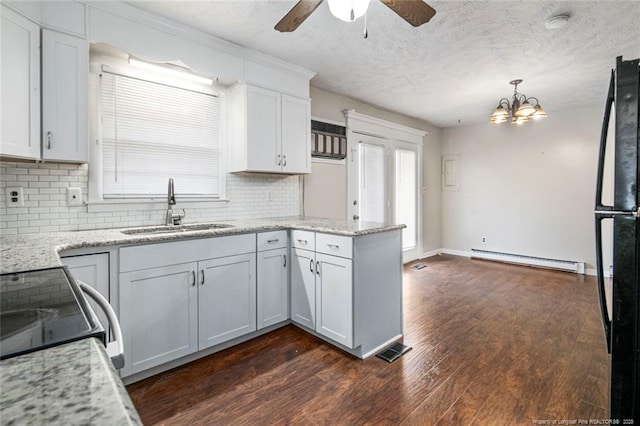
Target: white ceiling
451,70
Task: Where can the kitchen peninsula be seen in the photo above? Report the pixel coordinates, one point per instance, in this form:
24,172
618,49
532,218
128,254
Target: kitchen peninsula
339,280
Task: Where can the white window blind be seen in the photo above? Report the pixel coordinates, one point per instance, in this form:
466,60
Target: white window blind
152,132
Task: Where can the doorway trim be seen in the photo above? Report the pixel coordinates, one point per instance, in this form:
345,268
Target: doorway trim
359,125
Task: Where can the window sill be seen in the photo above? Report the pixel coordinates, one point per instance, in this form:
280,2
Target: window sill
149,204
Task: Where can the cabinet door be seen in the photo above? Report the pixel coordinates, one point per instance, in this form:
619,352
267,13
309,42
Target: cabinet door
227,298
93,269
65,68
158,315
20,75
263,130
303,287
334,299
296,135
273,287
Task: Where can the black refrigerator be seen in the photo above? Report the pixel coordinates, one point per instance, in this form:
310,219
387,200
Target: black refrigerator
622,324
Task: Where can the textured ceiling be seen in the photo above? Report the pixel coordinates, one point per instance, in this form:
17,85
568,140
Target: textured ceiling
451,70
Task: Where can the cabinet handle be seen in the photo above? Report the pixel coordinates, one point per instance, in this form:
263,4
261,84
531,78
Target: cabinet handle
278,160
273,241
311,265
333,246
318,268
49,137
285,261
305,242
202,272
193,275
284,161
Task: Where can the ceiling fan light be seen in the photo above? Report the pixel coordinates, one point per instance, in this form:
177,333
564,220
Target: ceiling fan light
498,120
520,121
342,9
525,110
540,113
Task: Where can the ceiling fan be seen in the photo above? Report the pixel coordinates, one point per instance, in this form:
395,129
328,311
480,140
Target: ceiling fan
415,12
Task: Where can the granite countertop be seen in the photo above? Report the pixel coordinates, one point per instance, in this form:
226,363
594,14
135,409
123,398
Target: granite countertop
72,384
38,251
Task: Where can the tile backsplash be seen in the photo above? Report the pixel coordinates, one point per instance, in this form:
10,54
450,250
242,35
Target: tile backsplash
45,202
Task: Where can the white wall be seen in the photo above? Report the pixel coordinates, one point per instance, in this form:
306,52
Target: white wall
528,189
329,106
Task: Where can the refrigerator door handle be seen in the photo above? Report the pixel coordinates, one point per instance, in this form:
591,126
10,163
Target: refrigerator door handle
603,143
606,322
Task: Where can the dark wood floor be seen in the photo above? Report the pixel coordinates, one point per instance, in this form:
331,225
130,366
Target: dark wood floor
493,344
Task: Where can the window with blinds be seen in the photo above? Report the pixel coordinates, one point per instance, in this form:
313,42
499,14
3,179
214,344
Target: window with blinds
152,132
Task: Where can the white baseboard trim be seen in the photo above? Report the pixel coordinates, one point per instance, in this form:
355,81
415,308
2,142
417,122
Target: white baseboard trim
430,253
461,253
594,273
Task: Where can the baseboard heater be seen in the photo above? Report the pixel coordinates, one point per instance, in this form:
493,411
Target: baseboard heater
563,265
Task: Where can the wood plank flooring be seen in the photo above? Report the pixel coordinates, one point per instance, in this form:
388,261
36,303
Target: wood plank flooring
493,344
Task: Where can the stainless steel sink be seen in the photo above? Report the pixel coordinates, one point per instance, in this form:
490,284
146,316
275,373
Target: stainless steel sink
170,229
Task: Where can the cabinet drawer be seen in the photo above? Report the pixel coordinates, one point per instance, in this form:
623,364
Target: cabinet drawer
303,239
272,240
335,245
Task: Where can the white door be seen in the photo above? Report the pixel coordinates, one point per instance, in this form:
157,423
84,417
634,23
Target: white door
264,140
384,186
334,296
20,85
65,70
369,191
158,315
92,269
296,134
226,299
273,287
303,288
406,196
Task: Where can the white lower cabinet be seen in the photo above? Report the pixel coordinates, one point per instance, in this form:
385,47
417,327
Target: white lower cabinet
169,311
322,288
93,269
226,299
273,287
334,298
303,287
159,314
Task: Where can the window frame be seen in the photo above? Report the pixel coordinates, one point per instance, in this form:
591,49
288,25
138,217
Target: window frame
100,63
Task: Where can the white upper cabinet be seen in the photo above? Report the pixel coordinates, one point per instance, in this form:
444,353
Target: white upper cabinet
20,75
65,68
62,133
270,132
296,135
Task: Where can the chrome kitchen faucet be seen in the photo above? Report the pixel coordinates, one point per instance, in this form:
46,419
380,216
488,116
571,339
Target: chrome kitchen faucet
173,218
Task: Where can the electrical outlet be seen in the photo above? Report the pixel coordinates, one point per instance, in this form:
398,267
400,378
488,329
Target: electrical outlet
74,196
15,196
484,239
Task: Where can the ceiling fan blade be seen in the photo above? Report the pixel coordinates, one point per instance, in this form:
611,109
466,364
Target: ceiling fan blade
415,12
297,15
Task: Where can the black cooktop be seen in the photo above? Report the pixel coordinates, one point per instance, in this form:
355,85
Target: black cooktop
41,309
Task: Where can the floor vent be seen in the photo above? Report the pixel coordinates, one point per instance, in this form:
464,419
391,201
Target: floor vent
393,352
563,265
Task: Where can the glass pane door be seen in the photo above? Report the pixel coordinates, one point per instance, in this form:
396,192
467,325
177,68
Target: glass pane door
373,199
406,195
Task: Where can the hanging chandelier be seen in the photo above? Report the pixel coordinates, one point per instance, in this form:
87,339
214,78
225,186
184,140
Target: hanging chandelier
519,110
